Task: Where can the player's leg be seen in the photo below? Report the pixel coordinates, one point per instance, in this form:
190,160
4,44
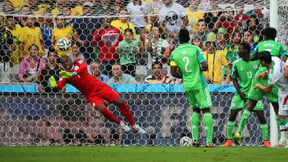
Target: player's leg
244,119
203,99
263,126
282,117
236,105
194,117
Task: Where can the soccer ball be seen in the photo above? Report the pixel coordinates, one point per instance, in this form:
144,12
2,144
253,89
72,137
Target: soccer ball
185,141
64,44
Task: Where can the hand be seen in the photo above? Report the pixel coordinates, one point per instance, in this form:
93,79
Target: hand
65,74
262,75
257,85
52,82
208,80
242,96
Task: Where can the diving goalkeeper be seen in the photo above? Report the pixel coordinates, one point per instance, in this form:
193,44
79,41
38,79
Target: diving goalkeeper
94,91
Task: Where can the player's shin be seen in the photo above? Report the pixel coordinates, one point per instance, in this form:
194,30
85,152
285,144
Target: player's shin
108,114
230,127
283,131
195,125
126,112
244,119
208,124
264,129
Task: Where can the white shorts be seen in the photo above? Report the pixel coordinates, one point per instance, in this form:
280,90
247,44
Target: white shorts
283,102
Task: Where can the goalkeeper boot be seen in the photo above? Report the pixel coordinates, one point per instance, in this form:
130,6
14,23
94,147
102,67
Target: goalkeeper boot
267,144
196,143
124,126
138,129
237,138
228,143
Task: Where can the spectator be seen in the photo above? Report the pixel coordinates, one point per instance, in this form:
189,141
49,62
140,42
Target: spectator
127,52
254,27
107,39
77,7
29,35
194,14
154,6
144,41
18,4
62,31
153,19
8,7
215,60
66,11
227,21
196,41
172,18
104,8
95,70
35,7
241,18
31,65
46,30
119,77
59,7
248,38
158,47
15,30
6,48
203,31
51,68
138,14
123,23
222,39
118,5
231,50
75,53
157,76
84,28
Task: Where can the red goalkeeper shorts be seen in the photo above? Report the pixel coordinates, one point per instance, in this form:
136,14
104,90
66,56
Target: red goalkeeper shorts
105,93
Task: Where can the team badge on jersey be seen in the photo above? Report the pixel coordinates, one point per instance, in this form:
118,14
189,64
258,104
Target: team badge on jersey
255,67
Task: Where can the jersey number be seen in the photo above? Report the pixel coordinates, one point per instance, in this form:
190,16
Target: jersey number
249,74
186,60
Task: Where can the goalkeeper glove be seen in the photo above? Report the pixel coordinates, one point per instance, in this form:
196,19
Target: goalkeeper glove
66,74
52,82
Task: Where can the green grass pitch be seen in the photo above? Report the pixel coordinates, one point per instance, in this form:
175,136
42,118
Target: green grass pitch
138,154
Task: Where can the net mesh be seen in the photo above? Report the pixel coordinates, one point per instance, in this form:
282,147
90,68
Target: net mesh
53,117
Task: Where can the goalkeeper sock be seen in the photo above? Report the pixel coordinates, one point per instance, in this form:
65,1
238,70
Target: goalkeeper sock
107,114
230,127
208,124
264,129
126,112
195,126
244,119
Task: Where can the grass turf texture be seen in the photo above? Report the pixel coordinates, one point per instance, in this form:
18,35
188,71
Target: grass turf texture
145,154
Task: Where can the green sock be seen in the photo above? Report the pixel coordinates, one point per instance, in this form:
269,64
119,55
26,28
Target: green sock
230,127
264,129
195,126
208,124
244,119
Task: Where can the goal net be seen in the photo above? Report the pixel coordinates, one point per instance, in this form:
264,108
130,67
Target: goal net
33,114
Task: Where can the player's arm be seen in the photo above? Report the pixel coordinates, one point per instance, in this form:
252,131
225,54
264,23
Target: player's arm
267,89
175,71
286,70
254,55
79,67
53,83
234,75
283,53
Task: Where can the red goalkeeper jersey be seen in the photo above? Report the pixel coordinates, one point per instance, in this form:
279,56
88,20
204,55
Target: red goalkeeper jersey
83,81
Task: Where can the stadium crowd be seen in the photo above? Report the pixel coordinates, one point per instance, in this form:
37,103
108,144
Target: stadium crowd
136,35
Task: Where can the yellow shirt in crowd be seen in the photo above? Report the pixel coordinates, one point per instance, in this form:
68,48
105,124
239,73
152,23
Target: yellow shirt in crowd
31,36
193,18
215,63
122,26
59,33
16,35
18,4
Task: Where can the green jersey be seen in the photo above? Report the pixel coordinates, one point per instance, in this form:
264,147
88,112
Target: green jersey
275,48
188,58
127,52
245,71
